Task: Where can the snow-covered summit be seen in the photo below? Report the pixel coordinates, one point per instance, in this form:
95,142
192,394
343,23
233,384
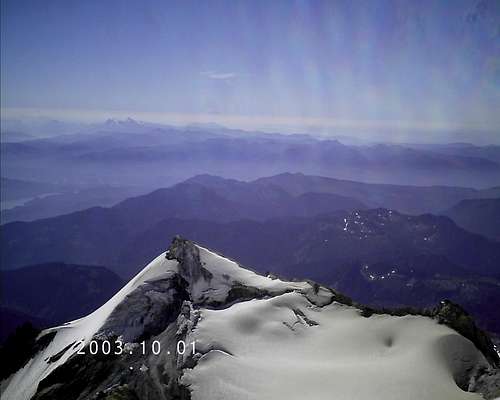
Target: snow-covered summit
112,122
255,337
215,280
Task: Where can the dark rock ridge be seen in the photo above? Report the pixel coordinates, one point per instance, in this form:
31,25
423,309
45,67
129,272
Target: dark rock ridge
188,256
458,319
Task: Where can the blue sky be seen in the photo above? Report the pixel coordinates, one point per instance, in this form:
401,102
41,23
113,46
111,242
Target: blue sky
430,66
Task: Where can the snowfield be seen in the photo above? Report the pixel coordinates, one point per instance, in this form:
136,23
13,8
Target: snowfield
293,343
264,351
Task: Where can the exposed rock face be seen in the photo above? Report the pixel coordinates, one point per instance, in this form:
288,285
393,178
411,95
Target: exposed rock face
148,310
188,256
186,321
487,383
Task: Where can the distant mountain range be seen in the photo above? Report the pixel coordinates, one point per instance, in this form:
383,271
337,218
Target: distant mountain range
65,236
404,198
303,188
65,201
14,189
490,152
478,215
378,255
113,153
53,293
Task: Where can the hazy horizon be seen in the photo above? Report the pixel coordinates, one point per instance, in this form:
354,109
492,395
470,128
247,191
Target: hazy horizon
344,131
384,71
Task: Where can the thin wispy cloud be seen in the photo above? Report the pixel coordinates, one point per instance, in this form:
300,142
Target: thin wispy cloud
221,76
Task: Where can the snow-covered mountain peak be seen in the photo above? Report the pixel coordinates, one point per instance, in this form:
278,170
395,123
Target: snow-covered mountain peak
254,337
215,280
116,122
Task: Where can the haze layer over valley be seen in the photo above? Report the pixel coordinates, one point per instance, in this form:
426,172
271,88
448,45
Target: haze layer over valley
132,153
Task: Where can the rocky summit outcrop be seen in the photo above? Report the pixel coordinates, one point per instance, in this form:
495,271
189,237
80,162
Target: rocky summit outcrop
188,256
165,306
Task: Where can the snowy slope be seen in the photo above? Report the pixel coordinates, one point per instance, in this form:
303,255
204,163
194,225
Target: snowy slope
258,338
266,351
24,383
